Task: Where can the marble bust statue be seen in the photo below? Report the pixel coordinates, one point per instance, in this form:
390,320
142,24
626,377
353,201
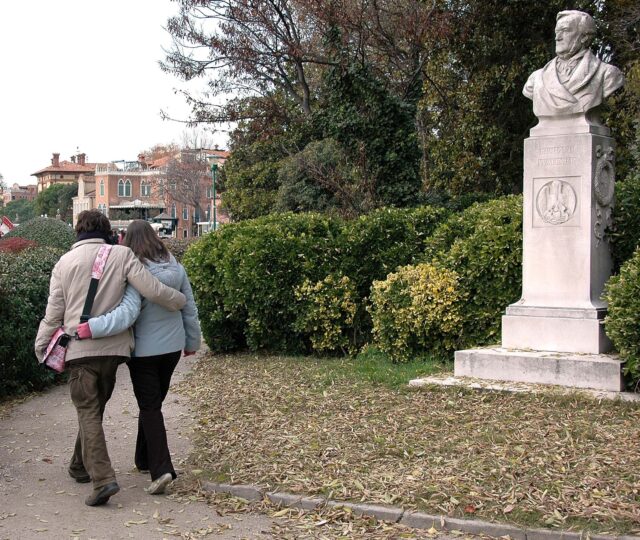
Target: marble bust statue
575,81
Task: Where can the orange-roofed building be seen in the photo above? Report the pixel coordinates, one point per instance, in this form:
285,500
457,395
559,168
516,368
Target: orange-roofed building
154,190
64,172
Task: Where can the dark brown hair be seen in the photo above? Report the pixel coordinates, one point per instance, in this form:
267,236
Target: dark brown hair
144,242
93,221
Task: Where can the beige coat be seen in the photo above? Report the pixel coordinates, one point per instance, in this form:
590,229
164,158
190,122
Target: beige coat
68,291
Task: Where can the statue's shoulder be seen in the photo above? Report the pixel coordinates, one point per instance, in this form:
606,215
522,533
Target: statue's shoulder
531,82
613,78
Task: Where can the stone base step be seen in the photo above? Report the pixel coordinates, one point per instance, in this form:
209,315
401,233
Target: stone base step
595,371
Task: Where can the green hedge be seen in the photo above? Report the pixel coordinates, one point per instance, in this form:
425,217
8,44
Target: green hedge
46,232
483,246
24,289
245,275
622,323
276,282
377,243
625,233
244,278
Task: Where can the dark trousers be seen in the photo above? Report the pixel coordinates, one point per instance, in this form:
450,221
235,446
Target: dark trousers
151,376
91,382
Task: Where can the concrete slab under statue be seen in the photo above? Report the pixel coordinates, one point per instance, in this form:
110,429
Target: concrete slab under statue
555,333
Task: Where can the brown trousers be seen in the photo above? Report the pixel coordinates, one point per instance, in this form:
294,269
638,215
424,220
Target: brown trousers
91,382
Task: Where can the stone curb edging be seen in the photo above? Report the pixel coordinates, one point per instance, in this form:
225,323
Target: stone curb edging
409,518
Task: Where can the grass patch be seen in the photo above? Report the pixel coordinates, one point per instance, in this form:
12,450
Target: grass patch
375,366
371,366
318,426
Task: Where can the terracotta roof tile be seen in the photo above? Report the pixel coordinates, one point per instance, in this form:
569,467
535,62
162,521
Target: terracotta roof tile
67,166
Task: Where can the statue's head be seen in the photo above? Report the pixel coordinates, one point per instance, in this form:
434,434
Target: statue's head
575,31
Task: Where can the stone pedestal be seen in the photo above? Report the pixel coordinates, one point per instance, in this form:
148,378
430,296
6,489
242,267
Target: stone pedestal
568,192
567,197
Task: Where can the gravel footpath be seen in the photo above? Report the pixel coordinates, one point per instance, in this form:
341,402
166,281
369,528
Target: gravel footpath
39,500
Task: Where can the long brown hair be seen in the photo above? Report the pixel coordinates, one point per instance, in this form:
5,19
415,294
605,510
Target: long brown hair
144,242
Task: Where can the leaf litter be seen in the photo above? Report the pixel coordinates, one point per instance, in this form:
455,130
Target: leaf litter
293,425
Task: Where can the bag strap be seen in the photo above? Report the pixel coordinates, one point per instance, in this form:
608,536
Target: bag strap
96,273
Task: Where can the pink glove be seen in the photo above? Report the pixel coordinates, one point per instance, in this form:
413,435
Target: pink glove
84,331
188,353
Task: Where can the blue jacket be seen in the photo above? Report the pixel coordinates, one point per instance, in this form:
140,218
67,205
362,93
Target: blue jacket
156,330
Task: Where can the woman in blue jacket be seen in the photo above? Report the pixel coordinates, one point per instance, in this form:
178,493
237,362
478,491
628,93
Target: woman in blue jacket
160,338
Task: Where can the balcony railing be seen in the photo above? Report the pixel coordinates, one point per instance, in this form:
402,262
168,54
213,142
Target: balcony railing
128,170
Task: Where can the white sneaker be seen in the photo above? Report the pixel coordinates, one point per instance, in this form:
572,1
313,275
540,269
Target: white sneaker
160,484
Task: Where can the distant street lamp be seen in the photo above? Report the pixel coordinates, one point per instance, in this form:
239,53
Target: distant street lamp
214,173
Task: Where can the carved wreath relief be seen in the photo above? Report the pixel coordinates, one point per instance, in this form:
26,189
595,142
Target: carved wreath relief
603,187
556,202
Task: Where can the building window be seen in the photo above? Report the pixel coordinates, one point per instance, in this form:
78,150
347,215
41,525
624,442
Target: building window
145,189
185,212
173,210
209,192
208,214
124,188
103,208
185,234
102,188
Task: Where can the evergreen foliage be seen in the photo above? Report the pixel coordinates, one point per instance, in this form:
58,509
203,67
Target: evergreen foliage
244,278
319,179
45,232
625,233
57,200
416,310
19,211
622,323
24,287
483,246
327,311
377,132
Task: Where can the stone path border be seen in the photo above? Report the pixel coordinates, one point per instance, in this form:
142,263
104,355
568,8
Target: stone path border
410,518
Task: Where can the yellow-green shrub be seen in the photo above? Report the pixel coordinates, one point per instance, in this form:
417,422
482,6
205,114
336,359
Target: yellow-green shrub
416,310
327,312
483,245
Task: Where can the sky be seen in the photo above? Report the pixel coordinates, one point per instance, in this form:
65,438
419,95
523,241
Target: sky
84,75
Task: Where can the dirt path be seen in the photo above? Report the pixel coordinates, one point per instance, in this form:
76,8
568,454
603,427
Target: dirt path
39,500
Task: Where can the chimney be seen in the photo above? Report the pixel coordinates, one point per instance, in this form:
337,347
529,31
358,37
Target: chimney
142,158
73,159
55,160
82,158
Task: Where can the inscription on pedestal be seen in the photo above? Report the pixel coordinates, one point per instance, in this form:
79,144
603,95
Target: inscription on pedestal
549,155
554,156
556,201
